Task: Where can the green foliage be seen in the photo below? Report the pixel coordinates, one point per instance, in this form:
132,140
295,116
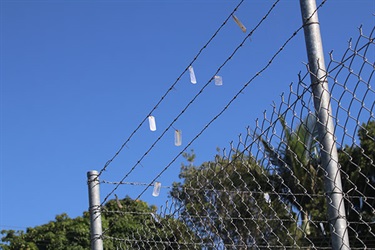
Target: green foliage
139,227
213,198
57,234
358,165
17,241
301,172
223,202
131,227
296,161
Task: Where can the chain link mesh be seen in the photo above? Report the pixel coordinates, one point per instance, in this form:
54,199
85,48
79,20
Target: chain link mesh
266,190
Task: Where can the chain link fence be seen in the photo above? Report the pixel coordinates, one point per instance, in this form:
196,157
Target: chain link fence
267,189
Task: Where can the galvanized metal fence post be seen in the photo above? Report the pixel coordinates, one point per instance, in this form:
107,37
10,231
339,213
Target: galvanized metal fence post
94,209
329,156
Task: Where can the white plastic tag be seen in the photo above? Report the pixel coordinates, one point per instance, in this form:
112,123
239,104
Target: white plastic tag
152,123
193,80
218,80
177,137
322,228
157,187
155,217
267,197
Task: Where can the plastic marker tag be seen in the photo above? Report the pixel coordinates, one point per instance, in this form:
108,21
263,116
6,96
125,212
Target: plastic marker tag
151,121
238,22
118,202
193,80
322,228
218,80
267,197
156,190
177,137
155,218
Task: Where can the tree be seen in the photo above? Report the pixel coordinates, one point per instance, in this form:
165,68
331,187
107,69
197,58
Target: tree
57,234
134,226
229,202
358,167
301,172
297,163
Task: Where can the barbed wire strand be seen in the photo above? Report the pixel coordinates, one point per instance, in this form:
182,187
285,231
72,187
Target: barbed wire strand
210,245
169,89
353,225
220,113
241,44
232,100
192,101
234,191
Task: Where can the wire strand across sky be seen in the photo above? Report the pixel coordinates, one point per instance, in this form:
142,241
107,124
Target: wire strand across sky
233,99
170,88
192,101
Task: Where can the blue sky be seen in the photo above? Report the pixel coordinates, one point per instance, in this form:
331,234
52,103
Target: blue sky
78,77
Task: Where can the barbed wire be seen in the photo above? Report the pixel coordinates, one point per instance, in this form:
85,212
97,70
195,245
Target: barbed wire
184,189
151,214
170,89
196,96
369,93
234,98
193,99
228,204
221,112
203,244
129,183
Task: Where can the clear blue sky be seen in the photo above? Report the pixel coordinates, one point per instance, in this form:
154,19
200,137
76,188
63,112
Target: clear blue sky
77,77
